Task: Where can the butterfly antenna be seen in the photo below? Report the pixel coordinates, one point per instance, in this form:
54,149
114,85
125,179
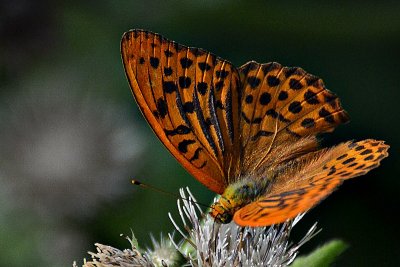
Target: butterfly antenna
136,182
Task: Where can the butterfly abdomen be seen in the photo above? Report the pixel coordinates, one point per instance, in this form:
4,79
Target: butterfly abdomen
236,196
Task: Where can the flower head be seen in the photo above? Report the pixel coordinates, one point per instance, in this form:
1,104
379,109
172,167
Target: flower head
207,243
229,244
108,256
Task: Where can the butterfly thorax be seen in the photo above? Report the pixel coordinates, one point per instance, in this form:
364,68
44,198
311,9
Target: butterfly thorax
236,196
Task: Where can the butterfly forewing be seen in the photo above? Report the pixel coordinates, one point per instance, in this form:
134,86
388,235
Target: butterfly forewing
190,98
321,175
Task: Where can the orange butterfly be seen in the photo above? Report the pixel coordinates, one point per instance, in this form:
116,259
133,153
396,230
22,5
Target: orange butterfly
246,133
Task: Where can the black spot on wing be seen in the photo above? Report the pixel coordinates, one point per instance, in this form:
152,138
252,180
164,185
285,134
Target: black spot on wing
311,79
273,80
196,154
167,71
203,66
169,87
272,112
168,53
180,130
369,157
265,98
186,62
221,74
184,81
295,107
292,70
332,170
253,81
183,145
329,98
308,123
269,67
360,167
249,99
188,107
283,95
257,120
295,84
347,161
162,107
202,87
154,62
326,115
310,97
248,67
365,152
358,148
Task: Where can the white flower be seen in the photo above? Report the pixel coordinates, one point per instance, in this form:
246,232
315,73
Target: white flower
207,243
164,252
107,256
211,244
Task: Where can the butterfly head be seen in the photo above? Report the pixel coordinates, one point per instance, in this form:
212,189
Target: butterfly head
236,196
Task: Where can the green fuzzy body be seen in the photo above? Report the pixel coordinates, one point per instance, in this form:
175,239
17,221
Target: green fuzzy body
236,196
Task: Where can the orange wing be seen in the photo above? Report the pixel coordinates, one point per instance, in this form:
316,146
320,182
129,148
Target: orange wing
190,98
281,104
320,177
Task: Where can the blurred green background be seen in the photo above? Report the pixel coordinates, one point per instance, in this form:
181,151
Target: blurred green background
71,135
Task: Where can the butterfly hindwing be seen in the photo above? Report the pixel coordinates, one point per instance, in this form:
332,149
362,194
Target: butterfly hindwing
315,181
279,104
190,98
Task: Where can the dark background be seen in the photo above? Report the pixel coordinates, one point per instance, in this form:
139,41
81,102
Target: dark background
70,50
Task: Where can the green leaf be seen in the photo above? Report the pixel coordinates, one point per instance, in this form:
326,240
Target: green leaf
134,241
323,256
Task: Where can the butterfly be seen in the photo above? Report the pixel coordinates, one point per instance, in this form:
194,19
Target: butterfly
248,133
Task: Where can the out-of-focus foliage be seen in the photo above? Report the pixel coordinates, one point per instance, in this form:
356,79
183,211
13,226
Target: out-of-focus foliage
323,256
71,135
